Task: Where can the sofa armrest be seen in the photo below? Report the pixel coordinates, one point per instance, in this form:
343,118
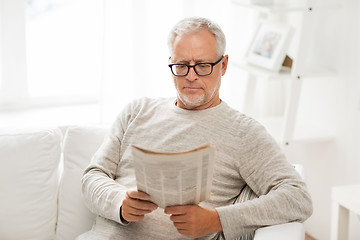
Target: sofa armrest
286,231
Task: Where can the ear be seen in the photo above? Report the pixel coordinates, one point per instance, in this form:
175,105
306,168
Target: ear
224,64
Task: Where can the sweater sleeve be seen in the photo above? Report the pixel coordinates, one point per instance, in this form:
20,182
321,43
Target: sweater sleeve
283,196
103,195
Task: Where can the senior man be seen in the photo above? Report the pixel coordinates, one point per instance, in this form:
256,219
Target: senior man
245,154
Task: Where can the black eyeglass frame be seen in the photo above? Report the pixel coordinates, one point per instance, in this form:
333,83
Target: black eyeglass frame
193,66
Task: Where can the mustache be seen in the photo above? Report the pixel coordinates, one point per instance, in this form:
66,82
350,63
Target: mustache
193,86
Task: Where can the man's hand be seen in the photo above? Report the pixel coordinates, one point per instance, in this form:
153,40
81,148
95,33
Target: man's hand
193,220
135,205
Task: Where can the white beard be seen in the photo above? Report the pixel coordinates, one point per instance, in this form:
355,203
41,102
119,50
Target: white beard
191,103
201,100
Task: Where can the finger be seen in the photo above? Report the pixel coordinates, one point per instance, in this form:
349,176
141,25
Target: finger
142,205
139,200
131,214
176,210
133,218
138,212
181,226
183,229
186,230
138,195
178,218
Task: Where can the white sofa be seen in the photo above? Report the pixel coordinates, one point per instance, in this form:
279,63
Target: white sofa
40,192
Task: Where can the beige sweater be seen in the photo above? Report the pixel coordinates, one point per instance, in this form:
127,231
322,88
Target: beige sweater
245,154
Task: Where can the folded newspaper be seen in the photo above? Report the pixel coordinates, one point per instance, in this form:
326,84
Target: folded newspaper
175,178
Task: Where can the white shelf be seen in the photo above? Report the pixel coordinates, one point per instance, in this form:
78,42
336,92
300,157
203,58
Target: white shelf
286,129
284,73
304,132
262,72
289,6
345,199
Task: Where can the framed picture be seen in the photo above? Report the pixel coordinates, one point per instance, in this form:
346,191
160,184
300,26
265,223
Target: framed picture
269,46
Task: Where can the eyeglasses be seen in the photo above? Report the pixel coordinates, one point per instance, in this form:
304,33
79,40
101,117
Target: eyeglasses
201,69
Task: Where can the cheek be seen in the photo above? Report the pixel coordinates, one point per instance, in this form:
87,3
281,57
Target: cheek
214,81
214,85
176,81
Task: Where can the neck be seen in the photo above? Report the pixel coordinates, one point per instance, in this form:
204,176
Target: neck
210,104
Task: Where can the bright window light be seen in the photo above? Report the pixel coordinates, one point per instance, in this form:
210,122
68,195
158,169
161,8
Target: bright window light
64,47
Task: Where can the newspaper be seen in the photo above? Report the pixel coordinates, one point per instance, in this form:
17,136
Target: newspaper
175,178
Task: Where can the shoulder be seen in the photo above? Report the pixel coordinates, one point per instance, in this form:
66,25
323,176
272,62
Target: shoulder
137,104
146,104
237,118
143,105
244,126
137,108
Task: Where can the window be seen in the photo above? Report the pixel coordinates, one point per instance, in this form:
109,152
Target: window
63,52
50,51
64,47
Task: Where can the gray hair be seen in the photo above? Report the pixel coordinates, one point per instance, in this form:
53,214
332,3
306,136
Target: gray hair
194,24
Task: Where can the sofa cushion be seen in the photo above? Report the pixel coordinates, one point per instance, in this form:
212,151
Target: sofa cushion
28,183
80,144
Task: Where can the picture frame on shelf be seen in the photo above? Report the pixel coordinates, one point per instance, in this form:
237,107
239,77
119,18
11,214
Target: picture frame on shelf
269,45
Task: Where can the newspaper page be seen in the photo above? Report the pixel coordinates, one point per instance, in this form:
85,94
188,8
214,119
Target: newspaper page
175,178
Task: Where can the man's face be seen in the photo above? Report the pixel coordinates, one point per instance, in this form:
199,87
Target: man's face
198,92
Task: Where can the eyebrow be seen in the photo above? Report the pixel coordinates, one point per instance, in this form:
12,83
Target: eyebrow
196,61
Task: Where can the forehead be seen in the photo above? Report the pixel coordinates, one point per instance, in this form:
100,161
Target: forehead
195,45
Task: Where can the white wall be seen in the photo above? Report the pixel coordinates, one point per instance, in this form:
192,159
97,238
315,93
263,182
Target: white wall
348,159
333,102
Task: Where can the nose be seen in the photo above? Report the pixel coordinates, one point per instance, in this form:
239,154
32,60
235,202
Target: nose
192,76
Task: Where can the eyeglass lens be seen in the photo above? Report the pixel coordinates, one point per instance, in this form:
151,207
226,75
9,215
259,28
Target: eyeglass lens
200,69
